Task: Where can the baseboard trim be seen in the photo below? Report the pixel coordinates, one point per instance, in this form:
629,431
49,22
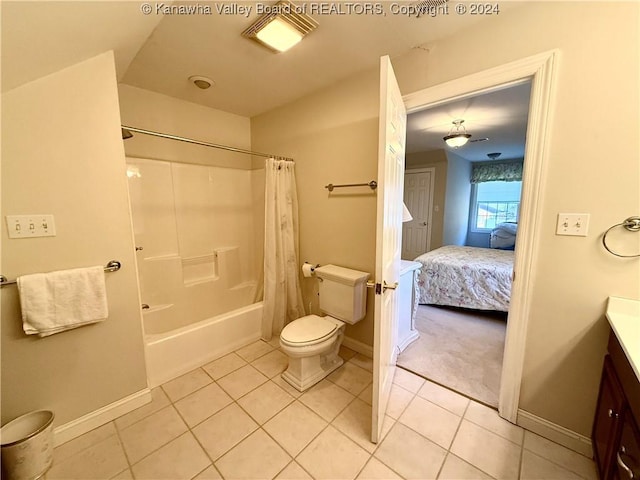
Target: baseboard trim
359,347
556,433
99,417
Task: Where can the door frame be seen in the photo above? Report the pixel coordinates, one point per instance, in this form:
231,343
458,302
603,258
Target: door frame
432,182
541,69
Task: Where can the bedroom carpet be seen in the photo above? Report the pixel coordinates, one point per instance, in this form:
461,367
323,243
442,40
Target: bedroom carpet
459,349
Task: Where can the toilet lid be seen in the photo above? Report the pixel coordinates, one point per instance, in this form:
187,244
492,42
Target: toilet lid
311,328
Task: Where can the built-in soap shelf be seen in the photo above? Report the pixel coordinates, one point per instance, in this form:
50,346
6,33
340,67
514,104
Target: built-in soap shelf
221,265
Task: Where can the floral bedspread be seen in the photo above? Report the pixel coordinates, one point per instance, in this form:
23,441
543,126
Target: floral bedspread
468,277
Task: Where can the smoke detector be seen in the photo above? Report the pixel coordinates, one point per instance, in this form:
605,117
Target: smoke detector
201,82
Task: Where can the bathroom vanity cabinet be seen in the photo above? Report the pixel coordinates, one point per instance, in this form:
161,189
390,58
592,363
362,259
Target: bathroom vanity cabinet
616,435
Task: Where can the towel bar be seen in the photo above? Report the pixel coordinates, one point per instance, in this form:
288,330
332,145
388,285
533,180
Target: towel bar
112,266
372,185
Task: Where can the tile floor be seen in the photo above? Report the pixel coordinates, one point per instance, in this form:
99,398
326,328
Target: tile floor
235,418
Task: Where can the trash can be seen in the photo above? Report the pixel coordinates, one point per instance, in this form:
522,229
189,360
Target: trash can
27,446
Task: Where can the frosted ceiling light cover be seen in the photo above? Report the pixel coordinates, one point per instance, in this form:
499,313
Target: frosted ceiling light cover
279,35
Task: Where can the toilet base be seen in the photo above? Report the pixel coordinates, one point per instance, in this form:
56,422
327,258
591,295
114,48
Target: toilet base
304,373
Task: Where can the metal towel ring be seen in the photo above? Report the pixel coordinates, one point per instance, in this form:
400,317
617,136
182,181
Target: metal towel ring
632,224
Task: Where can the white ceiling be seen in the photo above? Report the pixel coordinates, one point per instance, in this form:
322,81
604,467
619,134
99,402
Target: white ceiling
501,116
159,52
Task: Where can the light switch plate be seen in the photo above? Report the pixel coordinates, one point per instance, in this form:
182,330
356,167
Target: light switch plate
31,226
576,224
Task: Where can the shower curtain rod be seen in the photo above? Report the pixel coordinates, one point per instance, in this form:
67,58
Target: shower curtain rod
205,144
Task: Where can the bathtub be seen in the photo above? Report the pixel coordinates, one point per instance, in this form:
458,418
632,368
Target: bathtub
173,353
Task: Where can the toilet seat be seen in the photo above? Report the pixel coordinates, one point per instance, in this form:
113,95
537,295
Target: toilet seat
308,330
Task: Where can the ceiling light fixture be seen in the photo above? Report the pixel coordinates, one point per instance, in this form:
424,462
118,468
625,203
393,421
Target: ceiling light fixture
458,135
284,26
493,155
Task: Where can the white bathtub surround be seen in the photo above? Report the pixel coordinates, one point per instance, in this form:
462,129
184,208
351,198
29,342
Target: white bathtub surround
178,351
282,293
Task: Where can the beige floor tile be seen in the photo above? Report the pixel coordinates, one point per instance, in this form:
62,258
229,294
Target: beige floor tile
376,470
224,430
352,378
452,401
355,423
257,456
562,456
331,455
242,381
76,445
363,362
408,380
537,468
265,401
224,366
488,418
399,398
431,421
271,364
275,341
152,432
455,468
410,454
326,399
293,471
254,350
294,427
367,395
286,386
487,451
188,383
124,475
202,403
346,353
181,458
104,459
209,473
159,400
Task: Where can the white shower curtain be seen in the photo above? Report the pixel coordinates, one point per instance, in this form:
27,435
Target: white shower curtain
282,293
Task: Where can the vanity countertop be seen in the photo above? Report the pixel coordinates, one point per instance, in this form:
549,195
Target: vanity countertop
624,317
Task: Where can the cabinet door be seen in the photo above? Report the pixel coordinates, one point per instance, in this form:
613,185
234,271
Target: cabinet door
607,424
628,453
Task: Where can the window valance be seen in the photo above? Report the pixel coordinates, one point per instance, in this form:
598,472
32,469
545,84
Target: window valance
497,172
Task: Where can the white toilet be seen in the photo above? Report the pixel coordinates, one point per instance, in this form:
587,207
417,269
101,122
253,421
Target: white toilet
312,342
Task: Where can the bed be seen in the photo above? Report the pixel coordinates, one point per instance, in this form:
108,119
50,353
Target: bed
468,277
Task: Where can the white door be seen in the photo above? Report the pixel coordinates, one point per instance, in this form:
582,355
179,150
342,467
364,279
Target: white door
418,197
391,148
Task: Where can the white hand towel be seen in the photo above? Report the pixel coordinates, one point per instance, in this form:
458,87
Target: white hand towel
58,301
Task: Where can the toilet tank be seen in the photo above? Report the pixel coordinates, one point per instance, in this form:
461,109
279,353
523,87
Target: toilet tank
343,292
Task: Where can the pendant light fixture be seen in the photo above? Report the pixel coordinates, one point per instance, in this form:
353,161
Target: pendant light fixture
458,135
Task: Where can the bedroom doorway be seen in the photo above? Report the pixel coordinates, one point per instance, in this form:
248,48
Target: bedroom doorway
465,285
540,70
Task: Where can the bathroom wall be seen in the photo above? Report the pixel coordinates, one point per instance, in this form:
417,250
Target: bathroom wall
333,137
62,154
153,111
332,134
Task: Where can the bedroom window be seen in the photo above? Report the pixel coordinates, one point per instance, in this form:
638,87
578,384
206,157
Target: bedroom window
495,203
